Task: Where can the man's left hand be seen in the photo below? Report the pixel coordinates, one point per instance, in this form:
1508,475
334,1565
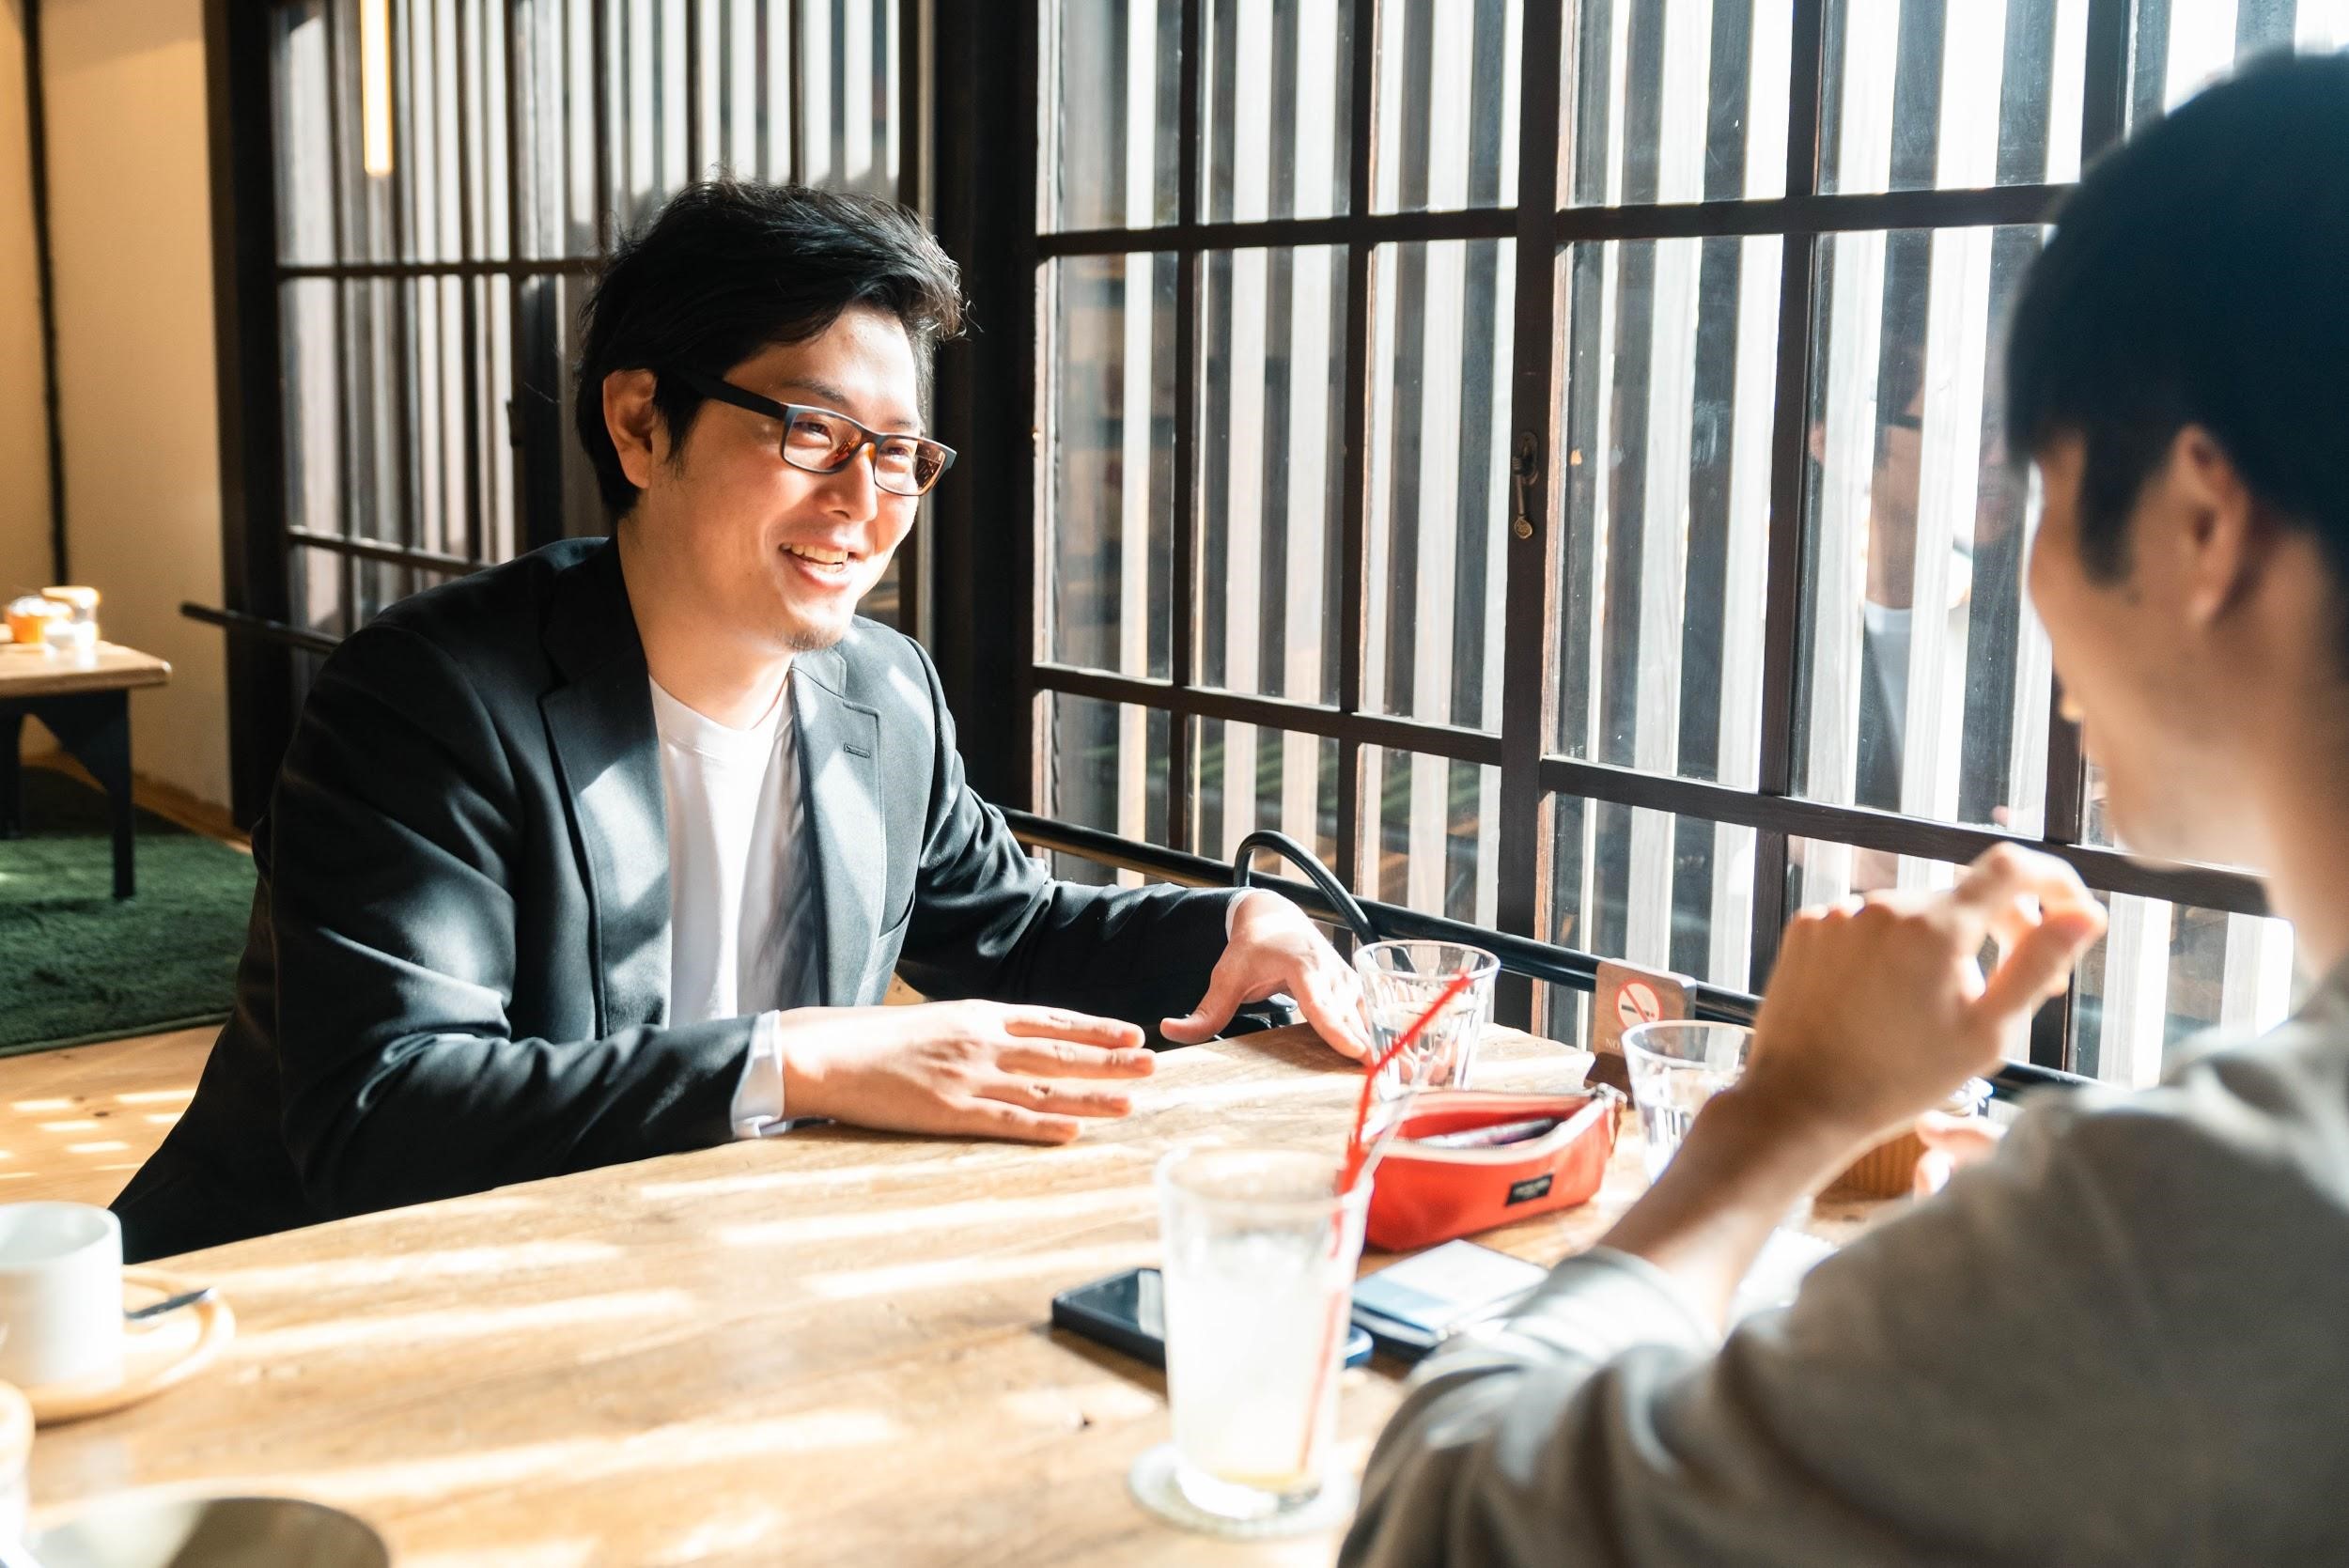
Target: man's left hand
1275,948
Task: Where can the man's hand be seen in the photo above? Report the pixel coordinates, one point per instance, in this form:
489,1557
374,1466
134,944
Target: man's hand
1275,948
974,1068
1878,1009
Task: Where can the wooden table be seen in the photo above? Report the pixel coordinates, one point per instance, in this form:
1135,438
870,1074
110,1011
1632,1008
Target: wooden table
85,700
828,1348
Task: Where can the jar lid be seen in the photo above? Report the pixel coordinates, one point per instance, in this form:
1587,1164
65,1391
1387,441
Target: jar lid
80,599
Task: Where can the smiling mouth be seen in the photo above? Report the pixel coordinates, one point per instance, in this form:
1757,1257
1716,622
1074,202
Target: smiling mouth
823,562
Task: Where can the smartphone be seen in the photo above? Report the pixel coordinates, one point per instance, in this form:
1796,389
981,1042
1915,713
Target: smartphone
1409,1307
1127,1311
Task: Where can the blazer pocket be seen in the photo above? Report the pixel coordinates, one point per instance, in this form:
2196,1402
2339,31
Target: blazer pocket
880,960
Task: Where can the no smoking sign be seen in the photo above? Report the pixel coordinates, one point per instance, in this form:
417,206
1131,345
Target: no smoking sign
1636,1003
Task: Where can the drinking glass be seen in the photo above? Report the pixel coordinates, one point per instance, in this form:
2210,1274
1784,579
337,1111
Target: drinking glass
1675,1065
1260,1250
1401,980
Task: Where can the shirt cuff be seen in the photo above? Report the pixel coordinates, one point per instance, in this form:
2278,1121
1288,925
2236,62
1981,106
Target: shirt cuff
758,1098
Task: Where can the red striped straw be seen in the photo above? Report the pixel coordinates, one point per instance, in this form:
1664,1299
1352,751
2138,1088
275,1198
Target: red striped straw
1350,1172
1352,1169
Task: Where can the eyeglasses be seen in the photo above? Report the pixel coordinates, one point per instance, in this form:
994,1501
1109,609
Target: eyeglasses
821,441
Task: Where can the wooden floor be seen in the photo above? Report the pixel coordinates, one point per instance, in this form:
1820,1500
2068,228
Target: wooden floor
74,1124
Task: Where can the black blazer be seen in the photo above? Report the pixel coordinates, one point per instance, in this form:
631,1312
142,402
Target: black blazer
457,969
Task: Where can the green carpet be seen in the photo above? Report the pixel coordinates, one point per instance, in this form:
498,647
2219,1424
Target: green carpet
77,966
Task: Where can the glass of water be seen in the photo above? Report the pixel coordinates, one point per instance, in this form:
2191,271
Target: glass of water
1260,1250
1401,980
1676,1066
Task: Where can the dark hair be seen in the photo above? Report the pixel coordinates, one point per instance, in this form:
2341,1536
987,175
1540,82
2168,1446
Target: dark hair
731,267
2199,275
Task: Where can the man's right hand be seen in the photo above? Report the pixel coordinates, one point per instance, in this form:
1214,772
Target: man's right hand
973,1068
1877,1009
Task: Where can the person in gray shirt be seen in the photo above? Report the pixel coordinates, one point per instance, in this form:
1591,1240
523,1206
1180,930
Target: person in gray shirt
2121,1337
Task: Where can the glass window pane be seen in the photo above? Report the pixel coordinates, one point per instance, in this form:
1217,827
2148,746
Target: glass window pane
1110,526
303,134
2182,46
1448,83
1439,479
1919,95
1670,892
1676,100
308,327
647,114
1112,70
315,579
1271,397
2167,971
1248,776
548,311
1108,768
1670,384
1434,831
1274,125
554,85
1927,684
850,54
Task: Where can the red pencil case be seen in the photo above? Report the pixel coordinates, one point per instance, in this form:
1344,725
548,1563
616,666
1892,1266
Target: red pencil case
1421,1194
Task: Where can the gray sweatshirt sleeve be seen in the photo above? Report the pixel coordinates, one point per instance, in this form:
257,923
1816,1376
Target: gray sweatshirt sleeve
1989,1378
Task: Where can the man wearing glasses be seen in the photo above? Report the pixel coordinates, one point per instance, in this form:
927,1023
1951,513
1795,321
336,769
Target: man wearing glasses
613,851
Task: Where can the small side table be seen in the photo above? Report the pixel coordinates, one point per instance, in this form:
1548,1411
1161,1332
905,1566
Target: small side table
85,700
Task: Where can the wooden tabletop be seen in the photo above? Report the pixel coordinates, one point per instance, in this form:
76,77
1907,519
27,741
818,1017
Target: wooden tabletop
828,1348
29,669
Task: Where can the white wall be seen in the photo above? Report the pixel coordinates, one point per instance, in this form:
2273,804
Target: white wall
130,250
23,419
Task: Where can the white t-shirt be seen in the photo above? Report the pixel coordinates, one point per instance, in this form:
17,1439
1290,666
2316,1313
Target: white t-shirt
738,937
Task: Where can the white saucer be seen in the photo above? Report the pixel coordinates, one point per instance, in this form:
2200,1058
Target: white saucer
1153,1485
155,1356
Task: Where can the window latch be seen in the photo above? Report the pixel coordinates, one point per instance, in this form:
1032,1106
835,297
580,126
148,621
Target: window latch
1522,473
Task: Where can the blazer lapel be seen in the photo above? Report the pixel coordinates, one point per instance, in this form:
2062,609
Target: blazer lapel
840,776
599,724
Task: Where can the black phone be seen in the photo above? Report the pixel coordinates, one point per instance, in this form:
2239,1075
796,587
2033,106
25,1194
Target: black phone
1127,1311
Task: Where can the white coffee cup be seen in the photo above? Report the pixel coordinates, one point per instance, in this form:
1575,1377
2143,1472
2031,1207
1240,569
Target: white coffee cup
60,1294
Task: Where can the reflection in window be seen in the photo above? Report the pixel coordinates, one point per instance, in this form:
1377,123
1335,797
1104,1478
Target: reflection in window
1926,686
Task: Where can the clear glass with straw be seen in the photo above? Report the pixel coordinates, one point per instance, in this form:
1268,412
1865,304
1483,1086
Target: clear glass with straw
1254,1286
1260,1249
